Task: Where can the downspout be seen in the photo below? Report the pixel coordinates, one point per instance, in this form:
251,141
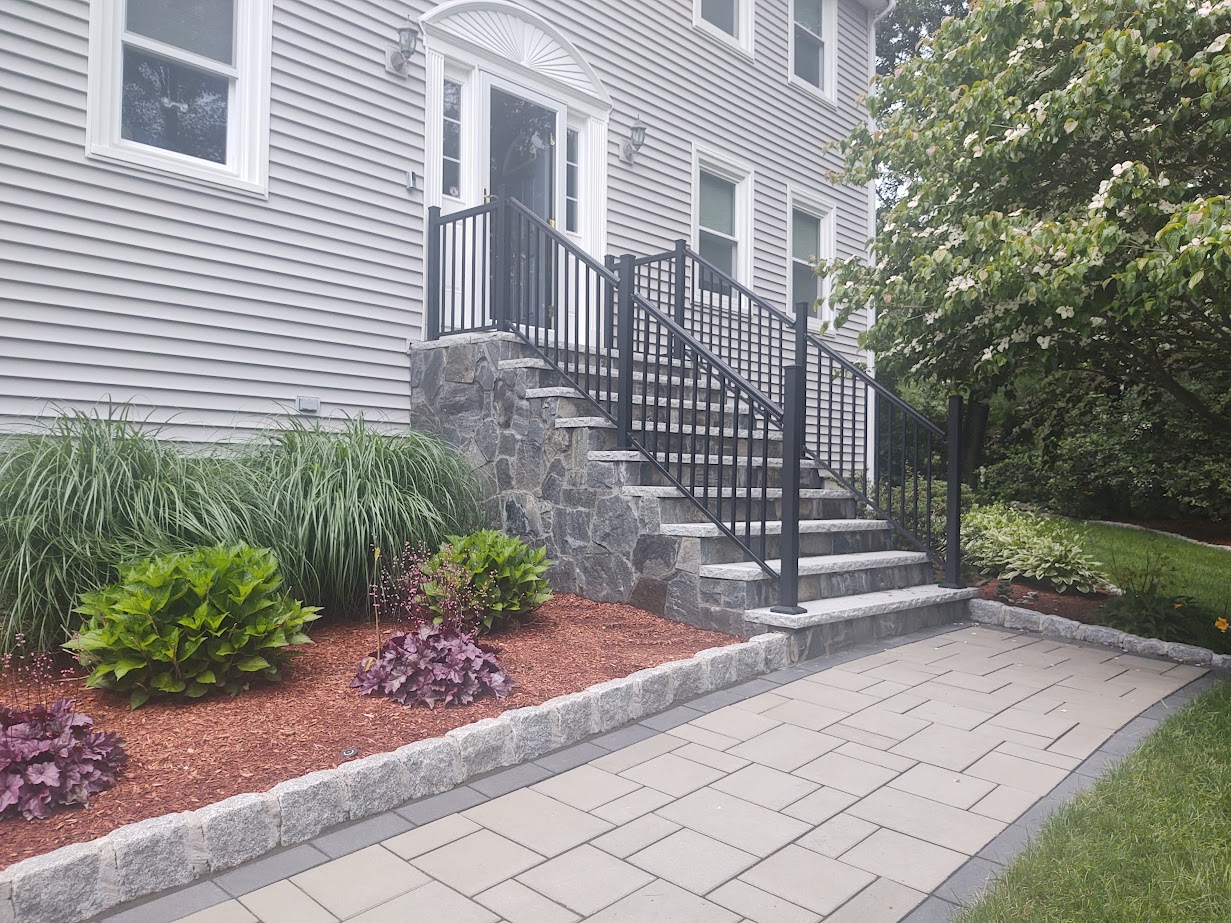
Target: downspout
893,5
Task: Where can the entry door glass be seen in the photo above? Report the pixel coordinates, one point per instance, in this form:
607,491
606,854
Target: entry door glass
523,152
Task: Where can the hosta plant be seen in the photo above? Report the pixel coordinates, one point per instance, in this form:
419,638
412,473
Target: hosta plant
485,580
432,665
190,623
1010,543
51,756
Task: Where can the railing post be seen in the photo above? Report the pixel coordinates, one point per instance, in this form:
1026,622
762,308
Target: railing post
792,454
432,301
609,307
502,291
953,498
624,338
679,292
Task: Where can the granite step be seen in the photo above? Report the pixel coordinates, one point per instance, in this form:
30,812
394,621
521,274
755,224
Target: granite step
750,571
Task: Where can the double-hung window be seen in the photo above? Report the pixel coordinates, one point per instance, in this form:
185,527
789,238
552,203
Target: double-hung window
811,25
717,229
811,240
182,87
731,20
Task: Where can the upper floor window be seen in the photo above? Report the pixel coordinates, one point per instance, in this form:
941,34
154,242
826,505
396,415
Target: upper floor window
722,195
181,86
731,20
811,52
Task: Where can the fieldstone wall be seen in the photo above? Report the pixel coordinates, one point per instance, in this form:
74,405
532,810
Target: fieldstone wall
541,483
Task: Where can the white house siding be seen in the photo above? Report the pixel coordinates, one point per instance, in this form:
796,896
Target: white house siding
216,309
212,308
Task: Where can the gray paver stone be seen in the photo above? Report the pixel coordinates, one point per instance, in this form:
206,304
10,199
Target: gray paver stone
654,687
1186,653
722,669
482,745
1221,662
162,852
374,784
1096,634
529,733
614,703
310,804
1015,617
1056,627
432,766
1150,647
986,611
66,885
572,718
240,828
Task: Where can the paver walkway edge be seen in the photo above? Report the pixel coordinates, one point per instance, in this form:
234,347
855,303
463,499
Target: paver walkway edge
887,783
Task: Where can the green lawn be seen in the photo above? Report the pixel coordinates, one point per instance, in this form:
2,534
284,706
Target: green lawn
1151,843
1203,573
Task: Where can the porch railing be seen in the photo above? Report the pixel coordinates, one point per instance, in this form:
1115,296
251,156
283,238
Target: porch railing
700,376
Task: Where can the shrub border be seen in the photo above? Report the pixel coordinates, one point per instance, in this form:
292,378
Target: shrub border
76,882
991,612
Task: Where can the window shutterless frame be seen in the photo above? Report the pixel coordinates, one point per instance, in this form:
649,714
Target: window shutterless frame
816,209
812,47
245,167
730,21
742,178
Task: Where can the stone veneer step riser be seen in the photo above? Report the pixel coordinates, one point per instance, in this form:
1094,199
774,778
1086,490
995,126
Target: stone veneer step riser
832,637
724,551
742,596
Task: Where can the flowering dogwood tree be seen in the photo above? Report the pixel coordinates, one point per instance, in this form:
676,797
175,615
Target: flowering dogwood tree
1066,169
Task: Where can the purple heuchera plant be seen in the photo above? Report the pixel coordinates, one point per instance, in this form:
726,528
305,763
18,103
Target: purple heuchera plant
433,665
52,756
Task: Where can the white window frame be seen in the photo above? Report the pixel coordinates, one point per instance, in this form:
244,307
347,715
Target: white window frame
744,178
828,90
247,167
825,212
745,23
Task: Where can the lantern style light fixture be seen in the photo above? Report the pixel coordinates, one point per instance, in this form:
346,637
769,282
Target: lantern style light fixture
397,57
636,138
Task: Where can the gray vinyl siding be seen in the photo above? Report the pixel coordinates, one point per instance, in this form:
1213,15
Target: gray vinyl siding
214,309
209,308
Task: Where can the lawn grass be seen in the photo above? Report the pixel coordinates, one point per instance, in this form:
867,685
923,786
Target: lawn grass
1150,842
1192,570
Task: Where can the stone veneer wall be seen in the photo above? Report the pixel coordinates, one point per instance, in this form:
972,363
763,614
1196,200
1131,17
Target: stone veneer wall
544,488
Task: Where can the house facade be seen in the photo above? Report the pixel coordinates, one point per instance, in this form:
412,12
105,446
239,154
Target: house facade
217,209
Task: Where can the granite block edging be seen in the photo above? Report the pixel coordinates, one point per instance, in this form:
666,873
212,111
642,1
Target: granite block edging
79,881
991,612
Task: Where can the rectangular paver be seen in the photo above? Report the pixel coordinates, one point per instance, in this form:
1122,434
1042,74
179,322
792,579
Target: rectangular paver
786,747
585,880
767,787
693,861
431,902
734,821
760,906
359,881
904,859
477,862
673,774
518,904
661,900
282,902
928,820
943,785
537,822
585,787
808,879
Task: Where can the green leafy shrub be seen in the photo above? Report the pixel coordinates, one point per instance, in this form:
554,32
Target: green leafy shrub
485,580
190,623
1009,543
1147,609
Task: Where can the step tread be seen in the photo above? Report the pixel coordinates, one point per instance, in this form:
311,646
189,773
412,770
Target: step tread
649,425
632,455
844,608
772,493
571,393
818,564
773,527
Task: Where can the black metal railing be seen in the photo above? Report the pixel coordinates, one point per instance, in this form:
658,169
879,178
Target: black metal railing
730,320
704,379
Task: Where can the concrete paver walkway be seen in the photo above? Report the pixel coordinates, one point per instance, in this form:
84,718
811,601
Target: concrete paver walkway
847,792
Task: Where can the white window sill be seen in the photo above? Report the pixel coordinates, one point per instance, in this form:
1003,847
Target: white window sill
730,41
819,93
172,168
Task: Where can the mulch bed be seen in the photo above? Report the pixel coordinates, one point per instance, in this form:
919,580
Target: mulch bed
1212,533
183,756
1079,607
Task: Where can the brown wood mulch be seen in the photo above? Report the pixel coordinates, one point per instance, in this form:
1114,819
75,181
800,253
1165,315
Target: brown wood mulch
186,755
1079,607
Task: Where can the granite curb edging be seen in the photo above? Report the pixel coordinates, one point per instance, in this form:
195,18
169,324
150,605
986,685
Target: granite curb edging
991,612
79,881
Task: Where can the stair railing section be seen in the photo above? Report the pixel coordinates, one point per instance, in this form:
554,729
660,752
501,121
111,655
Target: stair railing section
460,270
883,450
697,420
730,320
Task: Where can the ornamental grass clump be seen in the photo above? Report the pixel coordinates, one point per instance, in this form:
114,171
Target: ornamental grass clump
191,623
432,665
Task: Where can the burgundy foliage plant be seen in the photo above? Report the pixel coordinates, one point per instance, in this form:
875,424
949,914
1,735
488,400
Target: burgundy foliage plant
432,665
51,756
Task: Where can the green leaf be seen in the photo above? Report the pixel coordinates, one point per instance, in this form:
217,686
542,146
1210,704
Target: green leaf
252,664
